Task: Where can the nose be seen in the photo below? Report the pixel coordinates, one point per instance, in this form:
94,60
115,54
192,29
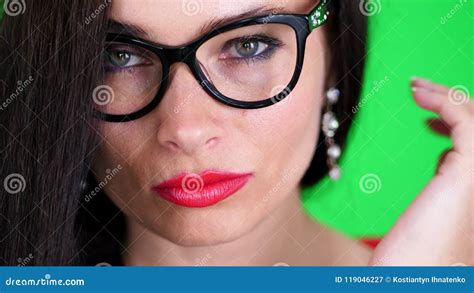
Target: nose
190,125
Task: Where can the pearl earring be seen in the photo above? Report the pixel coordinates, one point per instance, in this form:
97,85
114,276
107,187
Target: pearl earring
329,127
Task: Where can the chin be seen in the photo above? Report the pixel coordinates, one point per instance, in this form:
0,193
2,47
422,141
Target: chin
203,227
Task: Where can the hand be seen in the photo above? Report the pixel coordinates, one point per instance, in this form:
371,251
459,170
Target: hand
438,227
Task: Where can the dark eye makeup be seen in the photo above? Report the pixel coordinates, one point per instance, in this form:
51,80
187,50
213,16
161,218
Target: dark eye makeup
249,49
121,57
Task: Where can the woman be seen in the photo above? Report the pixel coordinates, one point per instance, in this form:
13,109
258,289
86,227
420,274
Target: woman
161,134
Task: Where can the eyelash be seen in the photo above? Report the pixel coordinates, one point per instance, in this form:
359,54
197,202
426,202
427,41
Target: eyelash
108,68
272,43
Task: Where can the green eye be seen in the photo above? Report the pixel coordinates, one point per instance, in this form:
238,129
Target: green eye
120,59
247,48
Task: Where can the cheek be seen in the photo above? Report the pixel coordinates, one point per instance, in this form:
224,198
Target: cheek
118,140
289,130
121,143
291,126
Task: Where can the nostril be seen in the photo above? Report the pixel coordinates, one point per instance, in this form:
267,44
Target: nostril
172,145
211,142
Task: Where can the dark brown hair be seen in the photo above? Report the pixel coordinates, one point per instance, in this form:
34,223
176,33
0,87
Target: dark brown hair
347,35
45,132
50,61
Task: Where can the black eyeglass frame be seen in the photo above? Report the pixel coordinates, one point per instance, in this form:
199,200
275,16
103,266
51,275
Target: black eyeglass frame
302,24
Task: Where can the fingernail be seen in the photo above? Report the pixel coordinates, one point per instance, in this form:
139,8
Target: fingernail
421,81
419,89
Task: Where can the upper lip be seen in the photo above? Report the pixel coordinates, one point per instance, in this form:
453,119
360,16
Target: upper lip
207,177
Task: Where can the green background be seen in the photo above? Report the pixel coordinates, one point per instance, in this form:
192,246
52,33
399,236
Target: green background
390,141
390,138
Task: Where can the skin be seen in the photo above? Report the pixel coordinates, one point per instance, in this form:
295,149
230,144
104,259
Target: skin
421,236
254,226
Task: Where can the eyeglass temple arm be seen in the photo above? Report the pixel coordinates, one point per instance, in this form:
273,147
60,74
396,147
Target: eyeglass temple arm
318,16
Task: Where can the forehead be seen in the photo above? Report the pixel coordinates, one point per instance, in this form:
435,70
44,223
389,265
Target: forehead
176,22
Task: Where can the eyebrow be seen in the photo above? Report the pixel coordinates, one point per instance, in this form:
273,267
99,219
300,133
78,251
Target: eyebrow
115,26
218,22
121,27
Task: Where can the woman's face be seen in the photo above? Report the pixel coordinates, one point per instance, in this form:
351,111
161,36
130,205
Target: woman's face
275,144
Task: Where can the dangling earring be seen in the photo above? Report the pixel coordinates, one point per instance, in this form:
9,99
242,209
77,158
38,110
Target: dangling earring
329,127
83,185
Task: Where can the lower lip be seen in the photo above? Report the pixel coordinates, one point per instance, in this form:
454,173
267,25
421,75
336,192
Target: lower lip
206,196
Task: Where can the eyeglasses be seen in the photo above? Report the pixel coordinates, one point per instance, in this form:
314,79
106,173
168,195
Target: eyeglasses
248,64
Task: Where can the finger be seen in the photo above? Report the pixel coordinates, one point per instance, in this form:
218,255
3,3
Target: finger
442,159
425,83
458,117
439,126
452,113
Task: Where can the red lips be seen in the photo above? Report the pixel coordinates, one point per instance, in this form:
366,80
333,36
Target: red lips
201,190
